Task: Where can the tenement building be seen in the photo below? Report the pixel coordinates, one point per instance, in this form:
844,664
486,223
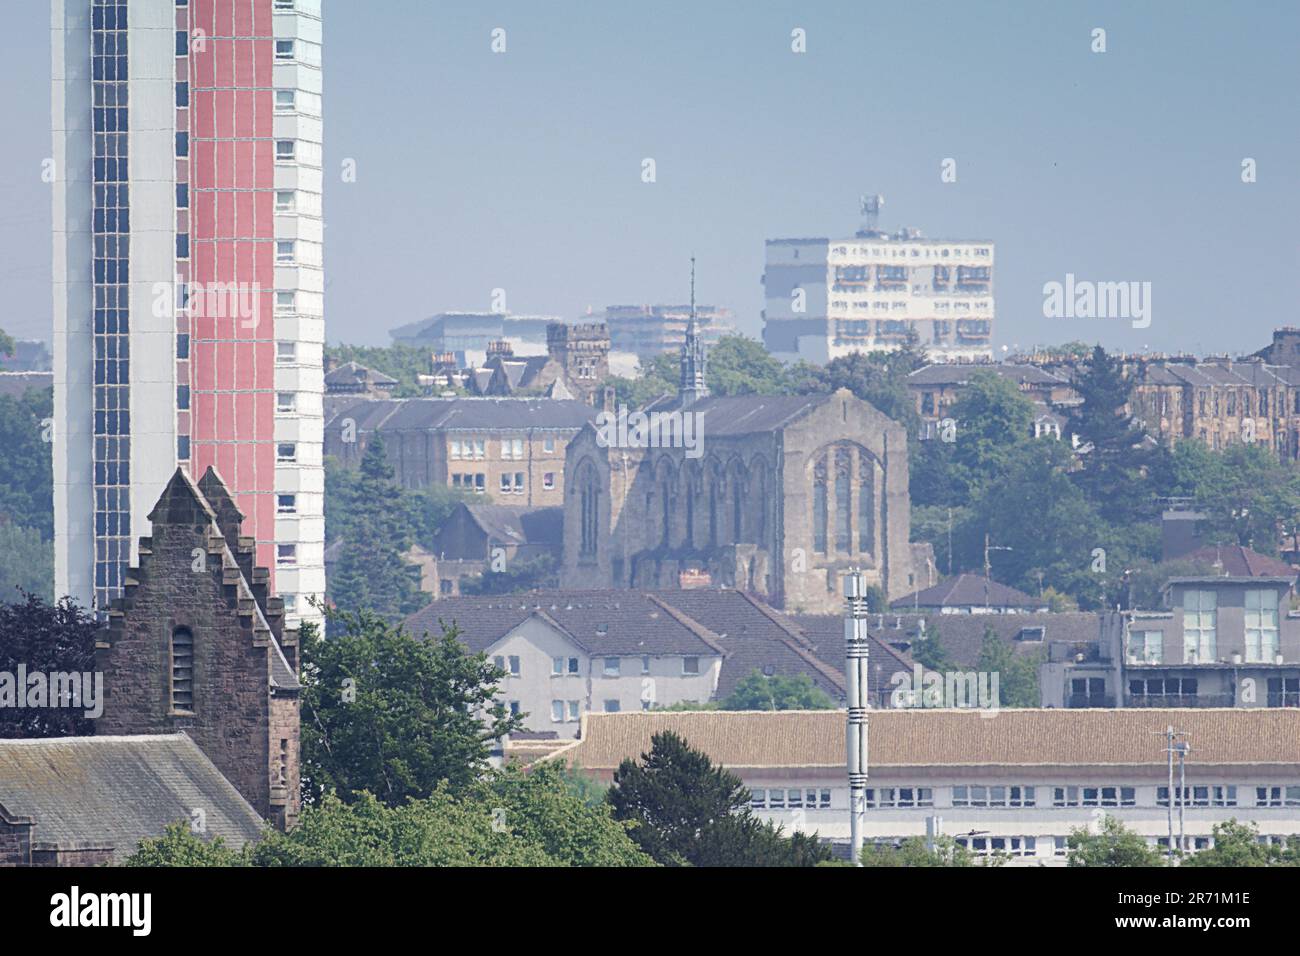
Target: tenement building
776,495
509,448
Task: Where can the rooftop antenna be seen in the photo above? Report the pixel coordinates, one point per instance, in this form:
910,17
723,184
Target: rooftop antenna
870,206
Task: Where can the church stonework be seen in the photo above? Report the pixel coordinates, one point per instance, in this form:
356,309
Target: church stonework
198,644
780,497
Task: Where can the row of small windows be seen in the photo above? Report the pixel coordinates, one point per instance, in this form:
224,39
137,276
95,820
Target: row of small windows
609,666
981,797
790,799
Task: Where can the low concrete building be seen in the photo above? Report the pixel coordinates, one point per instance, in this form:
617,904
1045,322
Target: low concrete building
1016,783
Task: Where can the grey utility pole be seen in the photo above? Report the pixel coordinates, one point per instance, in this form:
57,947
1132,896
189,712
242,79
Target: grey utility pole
1170,748
855,640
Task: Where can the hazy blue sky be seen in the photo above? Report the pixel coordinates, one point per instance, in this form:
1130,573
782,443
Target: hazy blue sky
522,170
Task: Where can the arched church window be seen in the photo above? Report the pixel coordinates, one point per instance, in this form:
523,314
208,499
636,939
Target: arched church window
820,516
866,503
589,498
843,500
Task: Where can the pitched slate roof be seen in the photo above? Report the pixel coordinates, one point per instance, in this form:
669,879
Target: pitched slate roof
622,623
968,590
515,524
959,373
1241,562
950,738
962,635
480,414
354,373
745,414
83,792
748,634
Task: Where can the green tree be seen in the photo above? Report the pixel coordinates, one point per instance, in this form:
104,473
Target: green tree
658,377
1113,473
756,691
7,345
1017,673
402,362
1113,845
1249,497
46,638
916,851
1237,844
738,365
994,421
26,562
539,572
928,651
876,377
26,465
372,572
683,811
181,846
388,713
507,818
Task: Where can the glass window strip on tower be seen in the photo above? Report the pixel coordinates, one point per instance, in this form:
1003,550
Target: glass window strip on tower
110,277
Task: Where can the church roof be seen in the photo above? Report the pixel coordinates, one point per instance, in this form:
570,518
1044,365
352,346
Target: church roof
113,792
745,414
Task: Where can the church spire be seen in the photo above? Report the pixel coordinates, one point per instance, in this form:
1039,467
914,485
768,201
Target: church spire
693,384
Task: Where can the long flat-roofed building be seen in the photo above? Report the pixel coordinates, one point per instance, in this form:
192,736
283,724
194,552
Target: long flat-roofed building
1009,781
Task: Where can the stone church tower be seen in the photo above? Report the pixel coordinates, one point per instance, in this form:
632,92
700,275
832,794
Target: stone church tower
776,495
198,644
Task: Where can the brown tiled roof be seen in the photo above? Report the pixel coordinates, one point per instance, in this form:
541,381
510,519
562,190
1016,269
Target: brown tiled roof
949,738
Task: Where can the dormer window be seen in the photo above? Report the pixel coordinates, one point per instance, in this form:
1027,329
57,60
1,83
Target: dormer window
182,669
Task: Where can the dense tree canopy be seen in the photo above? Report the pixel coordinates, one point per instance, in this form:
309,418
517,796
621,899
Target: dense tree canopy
1112,845
683,811
756,691
45,639
508,818
367,511
393,714
402,362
